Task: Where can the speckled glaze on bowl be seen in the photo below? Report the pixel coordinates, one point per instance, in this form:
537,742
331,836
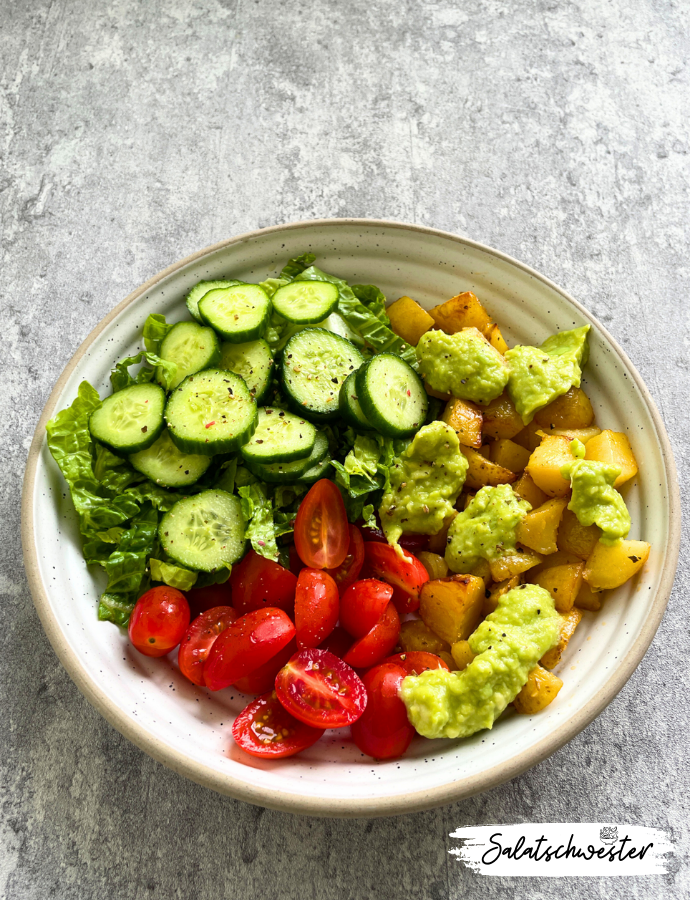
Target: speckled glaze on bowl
187,728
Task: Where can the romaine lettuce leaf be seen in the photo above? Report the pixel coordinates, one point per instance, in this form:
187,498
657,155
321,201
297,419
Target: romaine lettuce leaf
257,508
374,299
172,574
120,377
296,266
155,329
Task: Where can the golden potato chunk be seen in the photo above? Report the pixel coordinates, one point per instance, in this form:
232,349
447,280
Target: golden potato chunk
555,559
570,410
448,660
435,565
482,471
539,528
588,599
613,447
415,635
495,338
461,311
570,622
576,434
575,538
501,420
485,451
497,591
610,567
452,607
409,320
432,393
510,455
515,564
462,654
544,466
527,490
465,418
530,436
562,582
439,541
541,688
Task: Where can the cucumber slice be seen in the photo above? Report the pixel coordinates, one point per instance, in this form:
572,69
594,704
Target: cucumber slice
391,395
279,437
191,347
306,302
350,408
238,313
253,361
131,419
200,290
317,472
204,532
211,412
288,472
314,364
163,463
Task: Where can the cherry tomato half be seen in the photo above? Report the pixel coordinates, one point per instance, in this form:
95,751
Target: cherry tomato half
265,728
198,640
258,583
363,604
414,662
415,543
320,690
316,607
321,528
263,679
377,643
348,571
407,575
245,645
201,599
383,731
338,642
159,621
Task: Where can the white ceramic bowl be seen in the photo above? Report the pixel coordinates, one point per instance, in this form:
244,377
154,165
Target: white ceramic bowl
188,728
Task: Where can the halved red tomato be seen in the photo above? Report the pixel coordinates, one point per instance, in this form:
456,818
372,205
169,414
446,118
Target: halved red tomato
316,607
199,638
320,690
265,728
363,604
337,642
415,543
202,599
407,575
263,679
383,731
245,645
376,643
321,528
414,662
258,583
158,621
348,571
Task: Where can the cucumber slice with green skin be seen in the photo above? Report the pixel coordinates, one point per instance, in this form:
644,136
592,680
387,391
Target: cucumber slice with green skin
350,409
192,348
314,364
238,313
211,412
306,302
279,437
391,395
204,532
288,472
164,464
131,419
317,472
253,361
200,290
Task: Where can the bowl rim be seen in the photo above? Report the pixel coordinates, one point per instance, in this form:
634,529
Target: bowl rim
304,804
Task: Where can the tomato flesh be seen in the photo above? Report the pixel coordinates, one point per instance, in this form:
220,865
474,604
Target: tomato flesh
266,729
338,642
316,607
406,575
414,662
414,543
198,640
322,532
263,679
383,731
202,599
245,645
158,621
321,690
258,583
376,643
348,571
363,604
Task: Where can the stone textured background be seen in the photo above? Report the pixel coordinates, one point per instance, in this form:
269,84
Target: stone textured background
132,134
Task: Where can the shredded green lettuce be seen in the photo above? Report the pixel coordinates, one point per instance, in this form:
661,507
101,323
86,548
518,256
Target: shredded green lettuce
172,574
257,508
162,369
155,330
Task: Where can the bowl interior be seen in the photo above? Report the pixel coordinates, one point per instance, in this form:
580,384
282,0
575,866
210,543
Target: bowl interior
189,728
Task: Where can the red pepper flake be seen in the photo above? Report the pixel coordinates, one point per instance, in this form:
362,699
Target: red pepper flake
408,393
208,425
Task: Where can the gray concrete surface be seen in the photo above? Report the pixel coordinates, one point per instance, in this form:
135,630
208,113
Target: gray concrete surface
132,134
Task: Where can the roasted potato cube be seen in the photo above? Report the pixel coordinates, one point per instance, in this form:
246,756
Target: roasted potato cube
452,607
541,688
530,436
435,565
613,447
562,582
610,567
462,654
515,564
501,420
495,338
588,599
510,455
448,660
555,559
575,538
481,569
465,418
570,622
439,396
439,541
485,451
527,490
544,466
580,434
415,635
570,410
482,471
409,320
461,311
497,591
539,528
